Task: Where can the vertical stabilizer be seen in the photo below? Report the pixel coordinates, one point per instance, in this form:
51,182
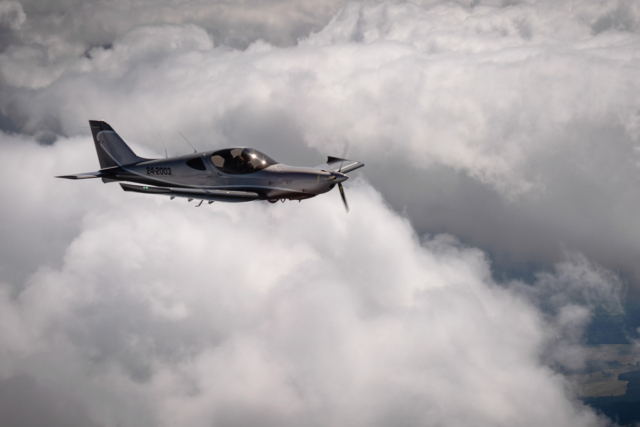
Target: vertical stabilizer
112,150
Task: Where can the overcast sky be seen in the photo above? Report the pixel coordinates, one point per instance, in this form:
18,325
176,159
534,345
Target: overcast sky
496,213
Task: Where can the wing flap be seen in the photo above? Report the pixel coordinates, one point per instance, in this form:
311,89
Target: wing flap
191,193
343,165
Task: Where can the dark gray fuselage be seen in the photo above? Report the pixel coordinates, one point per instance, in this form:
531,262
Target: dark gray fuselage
275,182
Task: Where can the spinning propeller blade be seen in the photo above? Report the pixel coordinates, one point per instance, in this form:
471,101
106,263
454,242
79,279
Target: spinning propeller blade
344,198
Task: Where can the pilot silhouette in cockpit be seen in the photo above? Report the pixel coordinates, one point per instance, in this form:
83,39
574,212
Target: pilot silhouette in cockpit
239,163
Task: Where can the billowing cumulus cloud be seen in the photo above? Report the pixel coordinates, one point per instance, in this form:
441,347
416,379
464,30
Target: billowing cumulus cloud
513,126
286,314
97,23
510,127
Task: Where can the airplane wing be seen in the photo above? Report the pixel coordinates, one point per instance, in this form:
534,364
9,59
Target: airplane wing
192,193
87,175
334,164
102,173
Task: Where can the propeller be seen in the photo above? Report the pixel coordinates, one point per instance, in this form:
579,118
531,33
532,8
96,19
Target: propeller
343,176
338,178
344,198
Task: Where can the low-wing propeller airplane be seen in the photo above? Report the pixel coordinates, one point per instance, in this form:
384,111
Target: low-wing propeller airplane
229,175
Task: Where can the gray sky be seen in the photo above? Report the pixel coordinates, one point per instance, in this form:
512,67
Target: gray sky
511,127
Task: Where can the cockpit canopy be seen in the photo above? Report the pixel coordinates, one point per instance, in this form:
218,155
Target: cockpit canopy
237,161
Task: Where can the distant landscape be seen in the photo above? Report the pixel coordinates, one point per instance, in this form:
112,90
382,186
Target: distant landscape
610,380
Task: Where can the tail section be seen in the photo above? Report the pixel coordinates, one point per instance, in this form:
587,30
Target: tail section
112,150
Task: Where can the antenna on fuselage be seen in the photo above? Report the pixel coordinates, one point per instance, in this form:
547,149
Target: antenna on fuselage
166,155
185,138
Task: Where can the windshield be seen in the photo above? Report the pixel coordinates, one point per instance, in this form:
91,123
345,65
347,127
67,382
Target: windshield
241,160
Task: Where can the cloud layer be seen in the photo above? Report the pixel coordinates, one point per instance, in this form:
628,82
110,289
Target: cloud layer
99,23
294,314
512,126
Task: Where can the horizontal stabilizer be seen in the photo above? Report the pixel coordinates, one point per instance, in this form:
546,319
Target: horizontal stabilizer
335,164
87,175
191,193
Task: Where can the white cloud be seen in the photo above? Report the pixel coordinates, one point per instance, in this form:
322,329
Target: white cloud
512,126
442,85
97,22
161,314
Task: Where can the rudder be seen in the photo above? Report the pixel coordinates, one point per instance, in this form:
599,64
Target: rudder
112,150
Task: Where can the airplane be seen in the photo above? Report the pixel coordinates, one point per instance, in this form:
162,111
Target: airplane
238,174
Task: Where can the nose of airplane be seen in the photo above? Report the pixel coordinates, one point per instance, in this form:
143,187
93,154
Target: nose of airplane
338,177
